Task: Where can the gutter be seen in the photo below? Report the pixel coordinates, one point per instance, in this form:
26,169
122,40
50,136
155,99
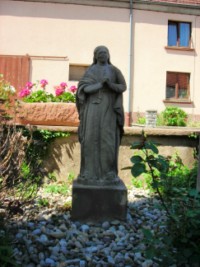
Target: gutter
130,80
165,7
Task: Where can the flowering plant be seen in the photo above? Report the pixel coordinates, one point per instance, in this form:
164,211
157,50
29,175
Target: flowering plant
62,93
6,89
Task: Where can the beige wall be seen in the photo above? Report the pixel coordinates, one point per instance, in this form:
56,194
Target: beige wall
152,60
72,31
64,155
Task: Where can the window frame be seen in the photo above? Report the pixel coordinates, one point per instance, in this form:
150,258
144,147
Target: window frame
178,37
176,98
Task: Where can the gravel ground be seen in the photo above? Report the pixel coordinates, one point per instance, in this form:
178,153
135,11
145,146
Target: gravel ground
46,236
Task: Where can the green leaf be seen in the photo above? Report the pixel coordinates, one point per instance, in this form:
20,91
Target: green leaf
191,213
155,184
151,146
147,234
187,252
193,192
162,164
136,159
138,169
136,145
150,253
152,161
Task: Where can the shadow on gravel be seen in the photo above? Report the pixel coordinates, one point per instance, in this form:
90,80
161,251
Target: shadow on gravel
46,236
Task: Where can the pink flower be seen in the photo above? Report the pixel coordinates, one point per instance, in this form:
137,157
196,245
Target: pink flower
43,83
29,85
63,85
59,90
24,92
73,89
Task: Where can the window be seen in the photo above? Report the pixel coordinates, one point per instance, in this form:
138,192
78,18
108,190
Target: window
177,86
179,34
76,72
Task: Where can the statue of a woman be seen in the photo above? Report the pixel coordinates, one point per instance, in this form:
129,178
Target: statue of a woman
100,107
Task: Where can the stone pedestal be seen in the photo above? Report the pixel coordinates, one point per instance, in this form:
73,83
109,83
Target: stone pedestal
99,203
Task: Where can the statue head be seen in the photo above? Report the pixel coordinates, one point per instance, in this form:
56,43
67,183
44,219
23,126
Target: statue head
97,50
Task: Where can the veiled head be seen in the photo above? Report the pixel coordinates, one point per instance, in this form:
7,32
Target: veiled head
97,50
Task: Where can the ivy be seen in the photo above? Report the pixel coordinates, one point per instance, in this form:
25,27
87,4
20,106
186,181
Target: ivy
32,171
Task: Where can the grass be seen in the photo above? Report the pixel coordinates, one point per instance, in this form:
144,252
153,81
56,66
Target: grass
55,188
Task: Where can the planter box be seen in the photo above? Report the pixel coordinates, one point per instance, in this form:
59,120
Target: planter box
47,114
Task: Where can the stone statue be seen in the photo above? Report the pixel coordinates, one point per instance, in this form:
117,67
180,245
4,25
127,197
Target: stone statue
100,107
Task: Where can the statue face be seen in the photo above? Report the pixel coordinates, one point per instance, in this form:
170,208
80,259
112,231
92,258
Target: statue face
102,56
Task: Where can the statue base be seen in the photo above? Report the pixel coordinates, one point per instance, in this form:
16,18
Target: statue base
99,203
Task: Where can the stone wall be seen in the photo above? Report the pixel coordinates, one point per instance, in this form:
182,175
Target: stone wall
64,156
50,113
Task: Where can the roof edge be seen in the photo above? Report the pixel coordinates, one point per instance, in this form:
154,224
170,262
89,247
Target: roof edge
137,4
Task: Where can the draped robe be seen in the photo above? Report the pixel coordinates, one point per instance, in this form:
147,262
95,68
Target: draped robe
101,124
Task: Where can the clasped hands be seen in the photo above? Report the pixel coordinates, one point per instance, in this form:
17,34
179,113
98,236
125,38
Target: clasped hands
106,81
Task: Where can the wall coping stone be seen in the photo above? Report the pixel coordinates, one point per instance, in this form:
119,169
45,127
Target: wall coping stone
134,130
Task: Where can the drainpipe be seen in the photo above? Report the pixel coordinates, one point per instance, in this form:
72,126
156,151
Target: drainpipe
130,80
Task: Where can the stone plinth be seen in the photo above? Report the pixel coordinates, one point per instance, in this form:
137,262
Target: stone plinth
48,114
99,203
151,117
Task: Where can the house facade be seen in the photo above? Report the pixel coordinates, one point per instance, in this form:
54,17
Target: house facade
156,45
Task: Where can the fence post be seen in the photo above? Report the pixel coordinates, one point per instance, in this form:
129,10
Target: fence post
198,173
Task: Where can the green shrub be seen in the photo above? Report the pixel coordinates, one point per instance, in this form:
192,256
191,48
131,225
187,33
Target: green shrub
23,151
70,178
173,116
36,92
191,123
62,189
43,96
141,120
6,251
43,202
175,187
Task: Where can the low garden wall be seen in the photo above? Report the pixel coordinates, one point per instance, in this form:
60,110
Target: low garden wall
51,113
64,154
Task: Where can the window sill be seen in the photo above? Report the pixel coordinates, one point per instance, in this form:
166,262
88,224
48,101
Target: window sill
179,48
178,101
